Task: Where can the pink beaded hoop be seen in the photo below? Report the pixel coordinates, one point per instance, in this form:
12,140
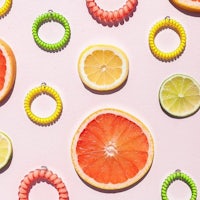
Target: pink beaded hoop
42,175
111,17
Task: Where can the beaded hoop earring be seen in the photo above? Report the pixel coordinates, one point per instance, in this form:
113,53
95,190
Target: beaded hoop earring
178,175
48,17
111,17
5,7
35,92
164,24
42,175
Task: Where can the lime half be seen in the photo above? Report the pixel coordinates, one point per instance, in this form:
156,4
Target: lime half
5,149
179,95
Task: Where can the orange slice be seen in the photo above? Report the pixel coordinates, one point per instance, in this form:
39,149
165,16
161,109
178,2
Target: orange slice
7,70
112,149
188,5
103,67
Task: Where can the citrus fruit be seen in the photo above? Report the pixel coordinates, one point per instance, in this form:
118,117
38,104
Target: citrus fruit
103,67
188,5
7,69
112,150
179,95
5,149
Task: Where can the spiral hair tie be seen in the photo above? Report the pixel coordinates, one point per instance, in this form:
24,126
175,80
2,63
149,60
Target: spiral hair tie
5,7
164,24
35,92
48,17
42,175
178,175
111,17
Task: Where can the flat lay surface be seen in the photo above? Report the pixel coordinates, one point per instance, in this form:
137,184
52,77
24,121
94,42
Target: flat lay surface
176,141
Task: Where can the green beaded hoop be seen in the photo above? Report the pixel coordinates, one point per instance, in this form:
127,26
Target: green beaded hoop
48,17
178,175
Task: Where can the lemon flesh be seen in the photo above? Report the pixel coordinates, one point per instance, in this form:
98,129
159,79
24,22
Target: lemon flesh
103,67
179,95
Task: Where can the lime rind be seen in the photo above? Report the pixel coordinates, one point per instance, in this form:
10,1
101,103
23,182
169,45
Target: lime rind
179,96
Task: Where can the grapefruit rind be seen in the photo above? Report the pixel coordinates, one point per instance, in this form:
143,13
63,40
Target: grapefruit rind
88,51
187,5
6,148
110,186
10,69
195,104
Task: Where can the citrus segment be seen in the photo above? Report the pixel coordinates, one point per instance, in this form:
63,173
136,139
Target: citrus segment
112,149
5,149
7,69
188,5
103,67
180,95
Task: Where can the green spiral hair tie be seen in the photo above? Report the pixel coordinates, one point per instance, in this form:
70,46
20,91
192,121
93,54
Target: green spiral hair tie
48,17
178,175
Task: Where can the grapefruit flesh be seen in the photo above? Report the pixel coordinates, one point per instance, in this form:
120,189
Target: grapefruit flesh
2,69
7,69
112,150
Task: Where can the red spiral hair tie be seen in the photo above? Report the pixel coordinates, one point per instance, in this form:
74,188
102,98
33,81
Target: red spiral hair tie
111,17
40,175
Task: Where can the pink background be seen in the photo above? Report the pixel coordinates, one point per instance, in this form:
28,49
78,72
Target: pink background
176,140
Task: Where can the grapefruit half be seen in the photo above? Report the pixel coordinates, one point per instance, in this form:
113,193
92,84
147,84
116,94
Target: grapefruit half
112,150
188,5
7,69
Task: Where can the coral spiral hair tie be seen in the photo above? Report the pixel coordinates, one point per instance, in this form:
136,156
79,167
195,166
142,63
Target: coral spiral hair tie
35,92
178,175
5,8
42,175
111,17
173,25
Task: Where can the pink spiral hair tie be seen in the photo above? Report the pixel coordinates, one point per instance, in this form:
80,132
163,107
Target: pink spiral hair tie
111,17
40,175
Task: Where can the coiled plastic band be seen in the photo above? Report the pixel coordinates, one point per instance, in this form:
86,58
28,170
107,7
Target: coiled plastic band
5,7
111,17
178,175
164,24
48,17
35,92
42,175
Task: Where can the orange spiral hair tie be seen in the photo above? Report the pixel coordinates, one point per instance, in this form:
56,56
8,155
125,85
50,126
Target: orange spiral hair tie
42,175
111,17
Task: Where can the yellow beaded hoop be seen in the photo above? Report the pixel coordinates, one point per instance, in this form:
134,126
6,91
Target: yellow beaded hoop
35,92
5,7
164,24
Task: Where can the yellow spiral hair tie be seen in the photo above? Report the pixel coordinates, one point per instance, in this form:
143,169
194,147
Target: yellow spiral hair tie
35,92
161,25
5,7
